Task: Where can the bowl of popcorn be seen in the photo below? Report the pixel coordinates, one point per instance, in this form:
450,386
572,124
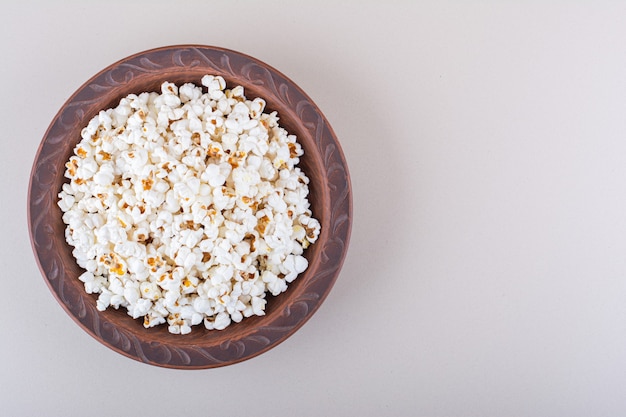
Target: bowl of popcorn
190,207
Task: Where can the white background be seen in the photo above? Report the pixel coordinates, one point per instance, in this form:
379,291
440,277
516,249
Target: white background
486,274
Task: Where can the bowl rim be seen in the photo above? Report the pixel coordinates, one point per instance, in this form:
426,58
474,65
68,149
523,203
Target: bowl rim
336,192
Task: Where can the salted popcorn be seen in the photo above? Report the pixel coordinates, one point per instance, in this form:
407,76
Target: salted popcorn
187,207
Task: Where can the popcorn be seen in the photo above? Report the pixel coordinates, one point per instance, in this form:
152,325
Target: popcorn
187,207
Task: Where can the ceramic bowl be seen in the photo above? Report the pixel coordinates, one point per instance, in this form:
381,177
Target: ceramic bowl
330,197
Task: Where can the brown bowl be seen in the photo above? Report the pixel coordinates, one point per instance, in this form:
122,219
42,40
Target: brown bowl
330,197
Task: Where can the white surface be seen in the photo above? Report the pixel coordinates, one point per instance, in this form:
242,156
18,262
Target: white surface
487,269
